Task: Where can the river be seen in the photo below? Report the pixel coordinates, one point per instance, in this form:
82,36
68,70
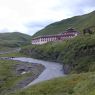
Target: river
52,70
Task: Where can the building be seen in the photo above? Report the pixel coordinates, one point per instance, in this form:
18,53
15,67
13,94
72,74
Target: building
68,34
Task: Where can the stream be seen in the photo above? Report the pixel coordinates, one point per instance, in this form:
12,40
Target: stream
52,70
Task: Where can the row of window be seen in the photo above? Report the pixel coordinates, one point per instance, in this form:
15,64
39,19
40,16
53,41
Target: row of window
50,39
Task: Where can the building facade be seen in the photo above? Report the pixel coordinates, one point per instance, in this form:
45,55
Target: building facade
68,34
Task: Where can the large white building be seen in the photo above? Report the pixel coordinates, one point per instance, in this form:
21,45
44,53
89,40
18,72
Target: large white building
68,34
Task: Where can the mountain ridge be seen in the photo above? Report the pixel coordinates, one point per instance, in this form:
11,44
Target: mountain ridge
78,22
14,39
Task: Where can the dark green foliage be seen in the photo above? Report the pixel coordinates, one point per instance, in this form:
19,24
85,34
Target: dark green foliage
77,22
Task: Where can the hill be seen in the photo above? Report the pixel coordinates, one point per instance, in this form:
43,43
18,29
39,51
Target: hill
77,22
14,39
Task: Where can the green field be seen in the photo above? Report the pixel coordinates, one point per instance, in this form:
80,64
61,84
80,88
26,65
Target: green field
16,54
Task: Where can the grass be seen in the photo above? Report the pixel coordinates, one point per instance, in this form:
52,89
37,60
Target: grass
9,78
76,84
16,54
6,49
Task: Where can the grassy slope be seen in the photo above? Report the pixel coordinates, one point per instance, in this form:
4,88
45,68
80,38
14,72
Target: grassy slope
77,22
16,54
15,39
80,84
7,77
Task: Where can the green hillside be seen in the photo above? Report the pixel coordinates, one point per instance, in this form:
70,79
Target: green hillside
78,84
14,39
77,22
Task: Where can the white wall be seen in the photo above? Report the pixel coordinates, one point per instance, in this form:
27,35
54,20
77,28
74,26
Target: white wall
43,40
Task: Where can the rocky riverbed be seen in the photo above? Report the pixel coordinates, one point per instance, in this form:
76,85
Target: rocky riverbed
41,71
21,69
52,70
17,74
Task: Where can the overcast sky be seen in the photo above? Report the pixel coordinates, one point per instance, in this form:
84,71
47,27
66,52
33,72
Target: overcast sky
29,16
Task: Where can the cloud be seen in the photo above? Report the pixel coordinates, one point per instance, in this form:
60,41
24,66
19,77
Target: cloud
29,16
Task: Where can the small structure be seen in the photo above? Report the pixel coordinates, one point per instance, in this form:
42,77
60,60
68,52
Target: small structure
89,30
68,34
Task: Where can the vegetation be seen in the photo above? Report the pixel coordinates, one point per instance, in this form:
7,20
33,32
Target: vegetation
10,77
77,22
77,84
78,54
13,40
16,54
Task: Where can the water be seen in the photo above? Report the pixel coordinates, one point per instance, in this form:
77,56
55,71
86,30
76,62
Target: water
52,70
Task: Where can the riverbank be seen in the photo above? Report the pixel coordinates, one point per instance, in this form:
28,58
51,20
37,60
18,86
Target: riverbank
75,84
15,75
52,69
28,71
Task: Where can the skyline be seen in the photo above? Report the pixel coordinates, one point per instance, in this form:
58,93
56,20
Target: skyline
30,16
